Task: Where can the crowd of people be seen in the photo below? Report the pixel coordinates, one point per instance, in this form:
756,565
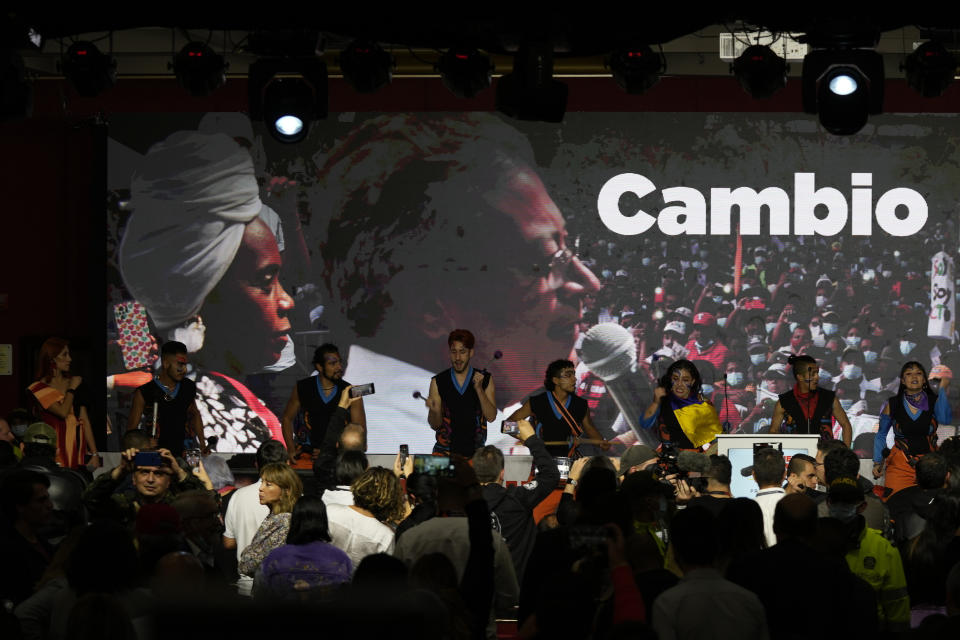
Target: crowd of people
859,307
624,547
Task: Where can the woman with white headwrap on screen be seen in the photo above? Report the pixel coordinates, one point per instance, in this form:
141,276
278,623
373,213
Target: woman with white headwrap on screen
205,267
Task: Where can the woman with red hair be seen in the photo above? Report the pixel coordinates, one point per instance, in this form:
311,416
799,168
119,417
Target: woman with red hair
54,393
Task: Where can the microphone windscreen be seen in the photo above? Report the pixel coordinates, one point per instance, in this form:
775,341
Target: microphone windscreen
497,354
609,351
416,394
693,461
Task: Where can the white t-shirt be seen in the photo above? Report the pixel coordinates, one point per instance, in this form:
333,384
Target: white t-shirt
244,516
358,535
768,499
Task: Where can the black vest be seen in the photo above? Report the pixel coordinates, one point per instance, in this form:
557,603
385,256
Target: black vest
553,427
171,413
914,437
669,426
316,410
463,428
820,423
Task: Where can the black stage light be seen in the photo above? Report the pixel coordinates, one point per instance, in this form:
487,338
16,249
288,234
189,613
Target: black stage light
366,66
16,91
88,70
465,72
930,69
636,68
843,86
529,92
199,69
760,71
287,105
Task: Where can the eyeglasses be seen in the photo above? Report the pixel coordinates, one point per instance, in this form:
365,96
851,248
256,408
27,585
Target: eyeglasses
557,267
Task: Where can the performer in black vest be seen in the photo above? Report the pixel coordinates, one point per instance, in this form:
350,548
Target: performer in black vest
318,396
679,387
172,394
561,416
807,408
914,414
461,400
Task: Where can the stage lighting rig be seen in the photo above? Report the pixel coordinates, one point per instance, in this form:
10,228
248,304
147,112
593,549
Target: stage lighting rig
637,68
199,69
465,72
760,71
366,66
844,87
287,95
930,69
88,70
529,91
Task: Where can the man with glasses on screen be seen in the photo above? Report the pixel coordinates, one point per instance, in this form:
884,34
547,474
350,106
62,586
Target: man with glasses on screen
439,222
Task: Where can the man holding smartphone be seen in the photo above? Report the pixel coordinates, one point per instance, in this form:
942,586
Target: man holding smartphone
156,478
461,400
318,396
511,508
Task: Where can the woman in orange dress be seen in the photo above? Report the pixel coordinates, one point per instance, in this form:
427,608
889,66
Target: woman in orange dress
55,403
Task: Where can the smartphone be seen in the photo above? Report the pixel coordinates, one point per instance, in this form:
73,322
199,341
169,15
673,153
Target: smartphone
404,454
434,465
192,457
563,466
510,427
148,459
361,390
133,335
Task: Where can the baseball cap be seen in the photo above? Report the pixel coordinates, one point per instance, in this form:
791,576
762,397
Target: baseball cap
776,371
704,318
674,326
40,433
637,454
684,311
845,490
756,343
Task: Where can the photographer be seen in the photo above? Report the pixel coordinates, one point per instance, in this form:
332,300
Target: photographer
717,494
159,479
512,507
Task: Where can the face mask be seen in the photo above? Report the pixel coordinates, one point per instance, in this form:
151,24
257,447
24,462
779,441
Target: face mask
721,322
853,341
695,264
820,301
706,389
825,375
906,346
846,403
886,274
843,512
869,356
645,262
830,329
794,265
745,286
717,299
758,358
704,345
793,326
852,371
770,326
758,260
19,430
735,378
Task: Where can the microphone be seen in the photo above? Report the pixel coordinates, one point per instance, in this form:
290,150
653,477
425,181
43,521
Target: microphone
416,394
693,461
609,352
